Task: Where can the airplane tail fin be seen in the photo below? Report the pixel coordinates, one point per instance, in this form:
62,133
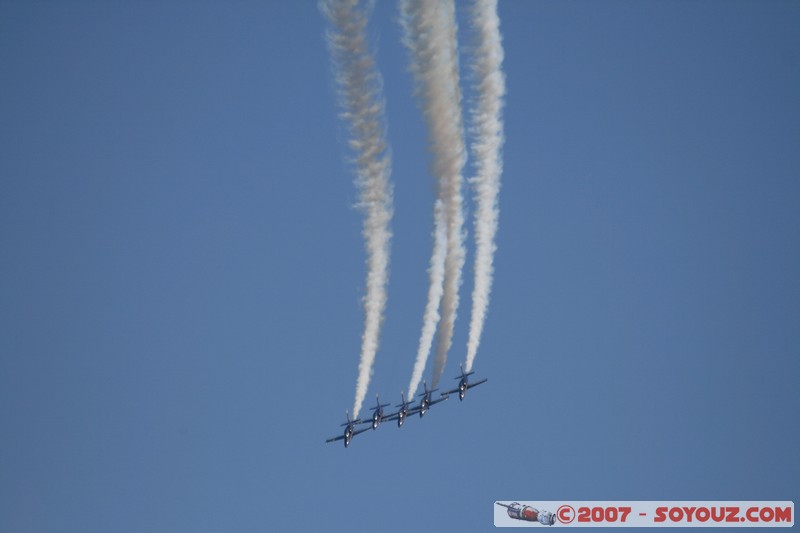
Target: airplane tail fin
356,421
403,399
427,390
463,375
378,403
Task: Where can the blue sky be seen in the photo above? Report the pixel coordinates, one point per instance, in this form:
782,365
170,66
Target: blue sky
181,270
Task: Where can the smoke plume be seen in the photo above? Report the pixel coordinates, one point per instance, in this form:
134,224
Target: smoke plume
429,30
431,316
487,130
360,92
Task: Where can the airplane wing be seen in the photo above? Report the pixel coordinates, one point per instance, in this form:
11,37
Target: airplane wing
439,399
470,385
334,439
395,416
361,431
392,416
449,392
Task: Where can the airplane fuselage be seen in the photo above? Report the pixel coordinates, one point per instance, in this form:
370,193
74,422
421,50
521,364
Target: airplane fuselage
377,413
401,416
424,405
348,435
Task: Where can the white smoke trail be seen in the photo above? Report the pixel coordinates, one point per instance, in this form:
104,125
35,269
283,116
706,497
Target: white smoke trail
487,128
360,91
431,316
430,34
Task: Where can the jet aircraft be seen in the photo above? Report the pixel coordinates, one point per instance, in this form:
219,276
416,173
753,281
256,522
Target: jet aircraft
349,431
404,412
464,384
426,401
377,413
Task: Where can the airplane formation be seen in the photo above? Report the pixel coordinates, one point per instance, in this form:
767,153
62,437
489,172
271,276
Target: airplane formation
405,408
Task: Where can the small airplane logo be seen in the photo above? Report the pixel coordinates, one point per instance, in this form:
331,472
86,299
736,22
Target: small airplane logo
528,513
